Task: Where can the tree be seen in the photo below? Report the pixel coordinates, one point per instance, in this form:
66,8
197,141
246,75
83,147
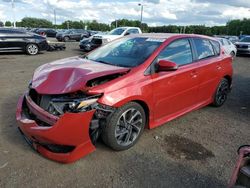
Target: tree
7,24
1,24
35,22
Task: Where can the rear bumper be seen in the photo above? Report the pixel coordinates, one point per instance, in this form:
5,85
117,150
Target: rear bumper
71,130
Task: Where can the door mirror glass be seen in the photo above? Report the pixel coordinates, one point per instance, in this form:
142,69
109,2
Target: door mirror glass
165,65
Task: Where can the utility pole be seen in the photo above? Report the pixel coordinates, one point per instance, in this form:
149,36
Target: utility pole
13,11
68,25
184,29
55,17
141,5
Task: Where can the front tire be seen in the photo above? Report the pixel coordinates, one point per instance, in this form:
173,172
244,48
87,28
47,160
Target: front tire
221,93
124,127
66,39
32,49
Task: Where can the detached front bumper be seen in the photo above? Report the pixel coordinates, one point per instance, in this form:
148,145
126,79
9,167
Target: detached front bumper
64,139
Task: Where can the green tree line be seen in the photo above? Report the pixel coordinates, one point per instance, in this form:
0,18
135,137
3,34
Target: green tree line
232,27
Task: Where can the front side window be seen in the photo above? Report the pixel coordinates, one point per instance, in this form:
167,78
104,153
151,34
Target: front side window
178,52
126,52
204,48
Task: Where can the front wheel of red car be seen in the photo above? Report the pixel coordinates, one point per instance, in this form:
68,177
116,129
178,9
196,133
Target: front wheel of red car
124,127
222,91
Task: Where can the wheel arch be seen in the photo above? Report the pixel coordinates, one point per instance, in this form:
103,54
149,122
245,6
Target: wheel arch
229,78
146,110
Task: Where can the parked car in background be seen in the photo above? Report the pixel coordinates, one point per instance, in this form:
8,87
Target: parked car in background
84,44
243,46
16,40
100,39
47,32
74,34
132,83
228,46
233,39
89,34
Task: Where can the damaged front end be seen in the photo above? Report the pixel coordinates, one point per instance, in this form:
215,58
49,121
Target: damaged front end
77,102
62,127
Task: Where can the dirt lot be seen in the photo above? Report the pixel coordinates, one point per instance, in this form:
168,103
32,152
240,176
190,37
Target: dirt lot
196,150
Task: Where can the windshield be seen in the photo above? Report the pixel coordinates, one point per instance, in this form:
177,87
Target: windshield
125,52
245,39
118,31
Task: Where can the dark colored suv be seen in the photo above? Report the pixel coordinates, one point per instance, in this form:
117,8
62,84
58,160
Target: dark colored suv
75,34
17,40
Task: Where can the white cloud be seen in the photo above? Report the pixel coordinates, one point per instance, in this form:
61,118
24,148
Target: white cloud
156,12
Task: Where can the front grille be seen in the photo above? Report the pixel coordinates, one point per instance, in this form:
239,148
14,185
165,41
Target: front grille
242,46
96,41
35,96
26,111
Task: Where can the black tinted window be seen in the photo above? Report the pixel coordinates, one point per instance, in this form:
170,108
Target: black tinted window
178,51
216,46
204,48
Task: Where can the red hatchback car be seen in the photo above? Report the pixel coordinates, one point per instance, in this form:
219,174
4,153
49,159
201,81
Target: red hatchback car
118,90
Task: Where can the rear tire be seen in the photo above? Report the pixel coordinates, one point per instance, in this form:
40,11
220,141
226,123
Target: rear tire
32,49
232,54
221,93
124,127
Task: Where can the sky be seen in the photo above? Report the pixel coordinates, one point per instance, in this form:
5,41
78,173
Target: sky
155,12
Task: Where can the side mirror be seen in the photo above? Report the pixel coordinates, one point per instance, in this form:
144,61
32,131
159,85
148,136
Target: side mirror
165,65
127,33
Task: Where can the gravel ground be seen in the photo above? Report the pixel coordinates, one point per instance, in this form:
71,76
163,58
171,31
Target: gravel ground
196,150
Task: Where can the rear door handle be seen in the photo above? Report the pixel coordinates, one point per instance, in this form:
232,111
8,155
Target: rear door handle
193,74
218,67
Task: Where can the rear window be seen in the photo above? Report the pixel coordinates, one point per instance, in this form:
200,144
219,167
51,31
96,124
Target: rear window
204,48
216,46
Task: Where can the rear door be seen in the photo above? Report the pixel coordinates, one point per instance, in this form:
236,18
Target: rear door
175,92
209,59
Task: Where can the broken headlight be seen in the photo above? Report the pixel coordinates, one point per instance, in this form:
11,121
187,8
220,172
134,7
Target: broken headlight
59,106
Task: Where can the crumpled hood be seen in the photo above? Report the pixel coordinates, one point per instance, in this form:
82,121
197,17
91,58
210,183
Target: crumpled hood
69,75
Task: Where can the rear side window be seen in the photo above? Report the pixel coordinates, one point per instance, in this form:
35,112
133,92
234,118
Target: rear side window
178,51
204,48
133,31
216,46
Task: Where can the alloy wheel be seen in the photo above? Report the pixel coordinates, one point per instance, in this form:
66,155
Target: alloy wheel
128,127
